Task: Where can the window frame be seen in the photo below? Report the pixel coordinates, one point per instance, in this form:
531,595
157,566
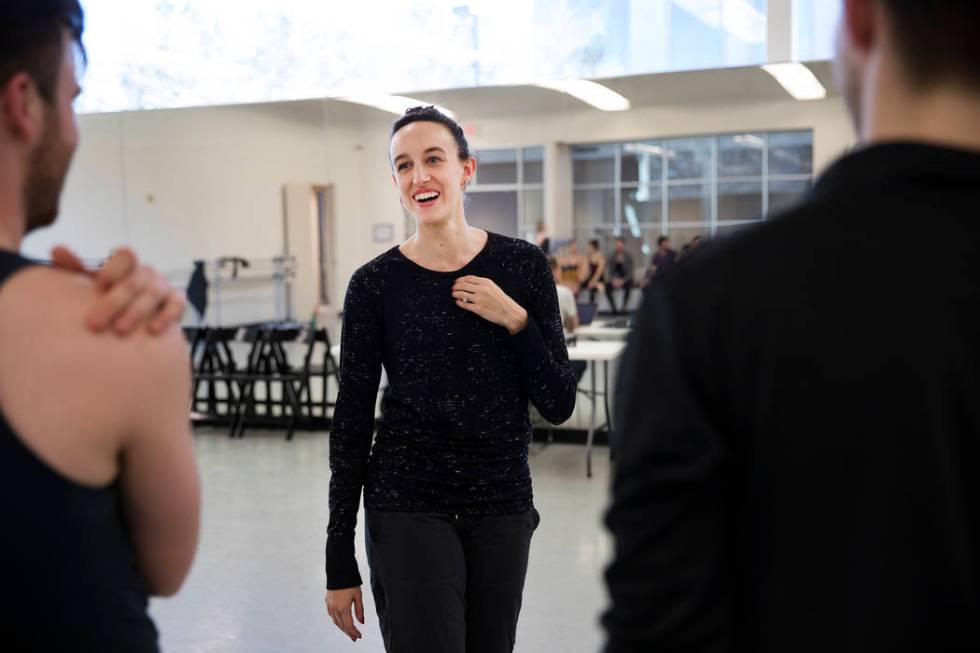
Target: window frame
520,186
710,181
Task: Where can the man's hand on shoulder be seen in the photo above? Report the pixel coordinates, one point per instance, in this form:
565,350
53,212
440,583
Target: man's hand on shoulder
131,295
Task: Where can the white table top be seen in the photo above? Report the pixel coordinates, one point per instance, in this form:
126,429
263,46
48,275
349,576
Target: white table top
582,351
597,331
603,350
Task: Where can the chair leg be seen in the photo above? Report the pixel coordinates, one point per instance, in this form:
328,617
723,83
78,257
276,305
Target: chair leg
291,427
245,406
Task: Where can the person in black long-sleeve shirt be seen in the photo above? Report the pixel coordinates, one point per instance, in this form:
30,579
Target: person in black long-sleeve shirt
467,327
800,426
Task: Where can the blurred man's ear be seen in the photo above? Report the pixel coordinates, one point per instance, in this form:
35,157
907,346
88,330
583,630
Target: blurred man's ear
21,108
859,22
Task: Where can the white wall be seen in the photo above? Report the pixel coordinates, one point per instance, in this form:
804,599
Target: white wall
184,184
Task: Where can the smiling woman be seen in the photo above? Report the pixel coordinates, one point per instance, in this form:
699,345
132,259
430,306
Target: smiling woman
466,324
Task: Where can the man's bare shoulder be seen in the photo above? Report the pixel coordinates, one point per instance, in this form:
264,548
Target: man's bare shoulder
77,398
43,312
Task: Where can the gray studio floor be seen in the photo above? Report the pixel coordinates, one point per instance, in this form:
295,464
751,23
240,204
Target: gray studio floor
257,584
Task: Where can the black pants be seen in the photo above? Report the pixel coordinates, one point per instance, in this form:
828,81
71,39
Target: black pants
627,287
448,584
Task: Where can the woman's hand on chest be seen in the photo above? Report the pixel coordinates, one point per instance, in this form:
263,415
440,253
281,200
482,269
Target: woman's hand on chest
485,298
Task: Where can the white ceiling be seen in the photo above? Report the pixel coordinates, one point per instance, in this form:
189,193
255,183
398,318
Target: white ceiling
717,87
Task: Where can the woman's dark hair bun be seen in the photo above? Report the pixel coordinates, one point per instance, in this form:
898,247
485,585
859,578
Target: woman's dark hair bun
431,114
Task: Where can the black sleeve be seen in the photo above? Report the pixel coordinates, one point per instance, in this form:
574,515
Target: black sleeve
541,352
666,581
353,424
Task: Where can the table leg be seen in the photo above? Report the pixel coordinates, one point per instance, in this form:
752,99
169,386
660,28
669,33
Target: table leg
589,440
605,400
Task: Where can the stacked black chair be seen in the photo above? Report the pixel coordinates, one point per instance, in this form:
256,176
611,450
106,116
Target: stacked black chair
269,366
214,369
266,390
326,369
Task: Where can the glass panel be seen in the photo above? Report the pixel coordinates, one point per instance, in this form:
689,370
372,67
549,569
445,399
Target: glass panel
642,162
791,153
496,167
693,32
784,194
740,155
594,206
533,211
594,164
533,165
740,201
689,203
641,206
690,158
814,27
494,211
733,228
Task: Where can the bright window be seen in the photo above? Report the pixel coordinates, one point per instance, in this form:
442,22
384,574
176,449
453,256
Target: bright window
685,187
153,54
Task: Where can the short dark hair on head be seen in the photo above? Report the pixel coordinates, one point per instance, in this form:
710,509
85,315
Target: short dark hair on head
662,240
594,242
32,39
937,40
431,114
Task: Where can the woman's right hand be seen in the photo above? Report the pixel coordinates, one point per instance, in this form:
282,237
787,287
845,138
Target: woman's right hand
339,604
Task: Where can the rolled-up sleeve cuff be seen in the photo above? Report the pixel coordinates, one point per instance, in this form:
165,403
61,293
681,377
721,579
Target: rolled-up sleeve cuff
342,570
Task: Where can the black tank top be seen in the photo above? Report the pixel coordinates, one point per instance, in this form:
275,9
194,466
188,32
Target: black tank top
70,581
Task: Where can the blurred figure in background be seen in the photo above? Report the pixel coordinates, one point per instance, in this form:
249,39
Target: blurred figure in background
566,300
620,276
800,415
574,267
542,239
663,258
569,315
597,270
690,247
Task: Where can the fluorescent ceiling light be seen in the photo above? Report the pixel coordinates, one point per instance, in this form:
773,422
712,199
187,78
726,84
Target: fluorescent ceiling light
591,93
645,148
749,139
798,80
396,104
631,220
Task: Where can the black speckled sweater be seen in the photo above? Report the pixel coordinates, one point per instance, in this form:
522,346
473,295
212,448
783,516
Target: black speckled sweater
455,431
